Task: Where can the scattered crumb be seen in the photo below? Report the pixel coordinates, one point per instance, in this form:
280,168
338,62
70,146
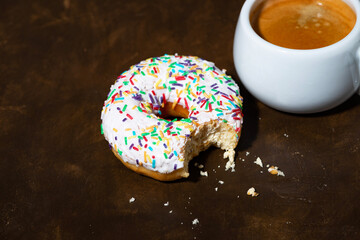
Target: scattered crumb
196,164
195,221
204,173
230,164
286,135
281,173
261,171
170,211
221,182
252,192
275,171
216,189
201,166
230,153
218,166
259,162
267,165
166,204
247,153
131,200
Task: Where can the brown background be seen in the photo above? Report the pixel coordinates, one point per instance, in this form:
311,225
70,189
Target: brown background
59,180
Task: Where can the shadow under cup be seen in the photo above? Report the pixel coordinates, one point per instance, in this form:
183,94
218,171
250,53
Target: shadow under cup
312,74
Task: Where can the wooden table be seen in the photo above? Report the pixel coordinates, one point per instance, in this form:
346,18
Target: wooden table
59,180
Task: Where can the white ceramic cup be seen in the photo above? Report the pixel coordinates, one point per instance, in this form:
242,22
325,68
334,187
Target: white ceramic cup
297,81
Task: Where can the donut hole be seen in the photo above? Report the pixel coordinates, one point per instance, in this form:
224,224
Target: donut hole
170,112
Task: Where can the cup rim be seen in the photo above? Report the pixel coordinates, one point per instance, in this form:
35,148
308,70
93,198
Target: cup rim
245,21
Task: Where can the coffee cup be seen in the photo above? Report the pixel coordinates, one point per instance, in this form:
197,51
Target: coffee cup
297,80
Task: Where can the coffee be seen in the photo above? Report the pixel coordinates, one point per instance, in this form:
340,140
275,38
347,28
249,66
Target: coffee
303,24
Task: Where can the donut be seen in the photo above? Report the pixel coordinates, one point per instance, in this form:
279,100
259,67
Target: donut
164,111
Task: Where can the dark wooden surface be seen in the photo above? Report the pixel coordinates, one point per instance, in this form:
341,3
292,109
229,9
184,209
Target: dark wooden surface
59,180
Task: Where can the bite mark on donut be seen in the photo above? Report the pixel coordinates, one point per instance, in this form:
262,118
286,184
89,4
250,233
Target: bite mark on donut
207,138
212,133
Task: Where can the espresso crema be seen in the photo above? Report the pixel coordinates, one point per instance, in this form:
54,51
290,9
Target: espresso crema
303,24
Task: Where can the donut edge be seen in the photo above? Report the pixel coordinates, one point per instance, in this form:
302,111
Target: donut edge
189,155
175,175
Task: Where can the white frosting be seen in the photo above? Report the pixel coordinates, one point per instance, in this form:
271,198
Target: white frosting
130,121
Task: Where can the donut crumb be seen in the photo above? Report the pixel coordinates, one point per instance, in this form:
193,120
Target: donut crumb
275,171
204,173
252,192
259,162
195,221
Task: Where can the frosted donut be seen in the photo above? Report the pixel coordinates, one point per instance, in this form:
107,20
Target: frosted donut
137,115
